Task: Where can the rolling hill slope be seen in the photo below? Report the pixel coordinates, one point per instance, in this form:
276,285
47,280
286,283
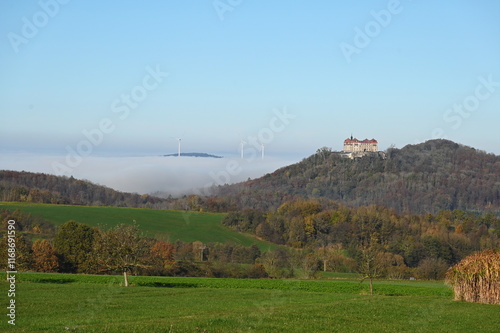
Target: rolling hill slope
171,225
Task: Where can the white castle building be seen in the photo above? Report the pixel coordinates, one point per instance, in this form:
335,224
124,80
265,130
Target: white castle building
353,145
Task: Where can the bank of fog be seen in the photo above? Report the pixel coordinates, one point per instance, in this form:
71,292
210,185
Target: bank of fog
174,176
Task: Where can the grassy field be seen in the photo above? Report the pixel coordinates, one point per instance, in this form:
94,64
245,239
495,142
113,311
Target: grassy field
77,303
174,225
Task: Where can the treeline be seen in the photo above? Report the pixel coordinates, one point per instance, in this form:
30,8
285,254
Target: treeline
49,189
78,248
28,223
425,178
341,235
315,235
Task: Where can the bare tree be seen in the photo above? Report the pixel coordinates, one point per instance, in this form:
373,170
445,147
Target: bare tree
370,265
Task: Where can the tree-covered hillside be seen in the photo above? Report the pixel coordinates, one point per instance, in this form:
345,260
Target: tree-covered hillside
424,178
324,225
43,188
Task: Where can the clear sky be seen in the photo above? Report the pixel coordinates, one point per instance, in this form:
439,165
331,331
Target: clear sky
297,75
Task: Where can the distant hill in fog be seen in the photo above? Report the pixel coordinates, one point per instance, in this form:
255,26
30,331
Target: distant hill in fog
43,188
204,155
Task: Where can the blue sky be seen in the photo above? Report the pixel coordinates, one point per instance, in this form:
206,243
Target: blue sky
230,70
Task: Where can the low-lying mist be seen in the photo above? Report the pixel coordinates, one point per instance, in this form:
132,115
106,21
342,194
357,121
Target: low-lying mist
174,176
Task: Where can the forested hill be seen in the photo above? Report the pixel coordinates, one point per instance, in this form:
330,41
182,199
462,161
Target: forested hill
43,188
423,178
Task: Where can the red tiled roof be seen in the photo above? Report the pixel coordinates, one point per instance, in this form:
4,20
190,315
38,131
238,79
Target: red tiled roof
349,140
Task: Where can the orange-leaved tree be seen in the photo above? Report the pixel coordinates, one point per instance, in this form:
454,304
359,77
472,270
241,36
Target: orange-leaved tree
44,257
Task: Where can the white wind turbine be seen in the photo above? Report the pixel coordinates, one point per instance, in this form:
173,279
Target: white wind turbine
179,147
242,144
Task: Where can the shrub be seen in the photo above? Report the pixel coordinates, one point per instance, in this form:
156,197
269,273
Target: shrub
184,268
342,264
431,269
257,271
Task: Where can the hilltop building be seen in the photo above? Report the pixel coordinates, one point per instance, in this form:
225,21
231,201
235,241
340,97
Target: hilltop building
354,148
353,145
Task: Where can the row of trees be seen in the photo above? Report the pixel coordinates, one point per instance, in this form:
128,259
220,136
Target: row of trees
28,223
78,248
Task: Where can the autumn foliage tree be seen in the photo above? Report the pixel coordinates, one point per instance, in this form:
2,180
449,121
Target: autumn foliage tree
44,257
122,249
162,256
24,260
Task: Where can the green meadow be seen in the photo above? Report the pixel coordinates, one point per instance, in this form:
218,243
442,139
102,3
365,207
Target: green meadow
167,224
85,303
335,303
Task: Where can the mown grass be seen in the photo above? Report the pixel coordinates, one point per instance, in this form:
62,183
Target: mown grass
78,303
174,225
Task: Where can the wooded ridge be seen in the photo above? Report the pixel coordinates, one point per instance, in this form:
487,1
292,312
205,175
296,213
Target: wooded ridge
424,178
43,188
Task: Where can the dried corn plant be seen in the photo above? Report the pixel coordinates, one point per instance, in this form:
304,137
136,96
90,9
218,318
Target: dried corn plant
477,278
